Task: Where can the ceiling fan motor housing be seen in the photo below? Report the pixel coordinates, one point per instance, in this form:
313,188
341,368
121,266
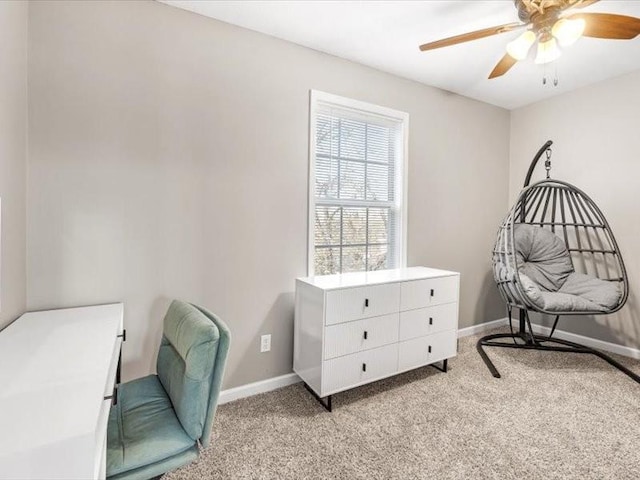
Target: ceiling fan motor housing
542,14
527,8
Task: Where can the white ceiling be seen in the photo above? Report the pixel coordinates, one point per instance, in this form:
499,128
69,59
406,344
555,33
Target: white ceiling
386,34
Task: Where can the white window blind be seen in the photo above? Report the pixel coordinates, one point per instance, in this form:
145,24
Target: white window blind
358,163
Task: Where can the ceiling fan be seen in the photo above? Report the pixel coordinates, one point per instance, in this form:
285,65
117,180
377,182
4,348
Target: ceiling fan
549,23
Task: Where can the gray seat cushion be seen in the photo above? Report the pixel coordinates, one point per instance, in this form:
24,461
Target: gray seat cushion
580,293
542,256
548,278
600,292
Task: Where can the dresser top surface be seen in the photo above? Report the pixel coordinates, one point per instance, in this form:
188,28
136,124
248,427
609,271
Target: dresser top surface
359,279
53,371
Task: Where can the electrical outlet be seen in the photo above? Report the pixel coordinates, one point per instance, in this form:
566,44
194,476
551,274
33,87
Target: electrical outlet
265,343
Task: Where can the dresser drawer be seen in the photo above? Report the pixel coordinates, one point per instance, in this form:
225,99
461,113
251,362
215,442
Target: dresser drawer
352,337
425,350
361,302
425,321
352,370
432,291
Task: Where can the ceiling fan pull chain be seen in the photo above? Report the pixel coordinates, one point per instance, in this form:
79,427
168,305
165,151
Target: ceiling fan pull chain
555,76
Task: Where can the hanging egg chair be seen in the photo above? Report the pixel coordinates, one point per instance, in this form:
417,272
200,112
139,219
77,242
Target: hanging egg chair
555,254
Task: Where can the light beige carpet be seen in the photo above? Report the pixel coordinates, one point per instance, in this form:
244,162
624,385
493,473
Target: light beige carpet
552,415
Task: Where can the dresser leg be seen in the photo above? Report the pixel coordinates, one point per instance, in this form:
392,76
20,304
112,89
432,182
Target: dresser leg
326,405
444,365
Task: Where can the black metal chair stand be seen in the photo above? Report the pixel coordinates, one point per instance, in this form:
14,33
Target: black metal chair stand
530,341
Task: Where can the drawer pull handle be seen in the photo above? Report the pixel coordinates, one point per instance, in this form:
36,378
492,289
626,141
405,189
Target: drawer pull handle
432,292
366,302
429,348
364,367
430,320
365,335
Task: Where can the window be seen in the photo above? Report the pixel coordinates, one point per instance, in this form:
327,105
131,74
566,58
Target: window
357,189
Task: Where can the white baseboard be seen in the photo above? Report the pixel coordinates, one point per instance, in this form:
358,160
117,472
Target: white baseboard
589,342
255,388
274,383
482,327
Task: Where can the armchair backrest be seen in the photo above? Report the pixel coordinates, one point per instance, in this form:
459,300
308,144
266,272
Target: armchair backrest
218,372
187,364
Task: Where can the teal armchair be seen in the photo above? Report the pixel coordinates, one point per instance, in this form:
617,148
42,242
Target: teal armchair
160,421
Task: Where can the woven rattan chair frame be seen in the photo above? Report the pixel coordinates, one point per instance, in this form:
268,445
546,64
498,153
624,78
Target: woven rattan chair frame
568,212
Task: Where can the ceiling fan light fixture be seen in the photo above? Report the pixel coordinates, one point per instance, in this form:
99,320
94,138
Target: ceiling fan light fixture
552,25
547,51
519,48
567,32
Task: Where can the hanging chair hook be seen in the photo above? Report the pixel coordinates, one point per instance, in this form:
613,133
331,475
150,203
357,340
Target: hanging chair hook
545,148
547,162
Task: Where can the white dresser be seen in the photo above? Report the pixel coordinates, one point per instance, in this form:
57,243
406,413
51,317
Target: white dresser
355,328
58,371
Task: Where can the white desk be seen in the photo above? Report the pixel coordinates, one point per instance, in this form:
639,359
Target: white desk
56,368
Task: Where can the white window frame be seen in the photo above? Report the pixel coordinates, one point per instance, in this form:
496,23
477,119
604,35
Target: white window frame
401,180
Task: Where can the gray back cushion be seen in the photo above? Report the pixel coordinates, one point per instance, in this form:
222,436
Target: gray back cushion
185,363
542,256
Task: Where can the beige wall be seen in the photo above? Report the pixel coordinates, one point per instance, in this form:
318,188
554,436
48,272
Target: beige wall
13,152
596,135
169,158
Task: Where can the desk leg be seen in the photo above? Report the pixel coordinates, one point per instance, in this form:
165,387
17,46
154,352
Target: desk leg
119,368
118,371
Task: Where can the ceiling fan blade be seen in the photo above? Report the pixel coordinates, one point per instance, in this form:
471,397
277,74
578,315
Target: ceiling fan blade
467,37
609,25
503,66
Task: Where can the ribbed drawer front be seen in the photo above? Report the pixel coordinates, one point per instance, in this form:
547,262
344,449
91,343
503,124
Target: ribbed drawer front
352,370
428,292
361,302
425,350
425,321
352,337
